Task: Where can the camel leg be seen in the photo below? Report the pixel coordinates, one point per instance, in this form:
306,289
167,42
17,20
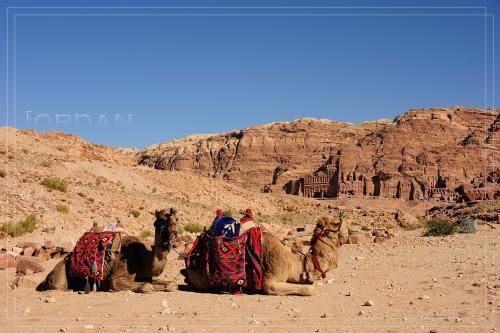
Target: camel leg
56,279
163,285
286,289
123,284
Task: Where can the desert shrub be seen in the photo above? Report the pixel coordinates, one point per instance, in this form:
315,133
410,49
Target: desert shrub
100,179
286,219
10,157
46,163
54,183
154,190
25,151
180,230
135,213
228,212
62,208
28,224
193,227
439,227
3,173
145,234
412,226
291,208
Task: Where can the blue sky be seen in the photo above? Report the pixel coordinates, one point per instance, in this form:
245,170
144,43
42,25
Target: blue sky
179,71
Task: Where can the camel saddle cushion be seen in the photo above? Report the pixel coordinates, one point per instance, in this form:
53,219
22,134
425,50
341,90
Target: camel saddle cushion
93,254
226,261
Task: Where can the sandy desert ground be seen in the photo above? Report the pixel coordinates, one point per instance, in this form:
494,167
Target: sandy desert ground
416,284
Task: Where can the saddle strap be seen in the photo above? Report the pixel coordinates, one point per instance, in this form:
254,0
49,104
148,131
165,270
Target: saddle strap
317,266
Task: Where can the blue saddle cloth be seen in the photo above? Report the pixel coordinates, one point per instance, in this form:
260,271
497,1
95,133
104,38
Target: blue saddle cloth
225,226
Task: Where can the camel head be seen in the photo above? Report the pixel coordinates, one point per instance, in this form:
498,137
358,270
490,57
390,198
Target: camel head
165,227
325,236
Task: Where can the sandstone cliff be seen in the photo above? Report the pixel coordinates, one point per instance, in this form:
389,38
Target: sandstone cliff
447,145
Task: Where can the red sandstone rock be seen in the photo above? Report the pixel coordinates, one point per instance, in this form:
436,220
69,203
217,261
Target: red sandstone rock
42,254
28,251
421,154
49,244
23,282
24,245
7,261
28,266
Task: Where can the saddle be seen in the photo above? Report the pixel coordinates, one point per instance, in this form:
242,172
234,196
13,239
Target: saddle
93,253
228,262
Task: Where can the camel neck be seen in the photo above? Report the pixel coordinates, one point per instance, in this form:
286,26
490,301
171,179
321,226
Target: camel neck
160,253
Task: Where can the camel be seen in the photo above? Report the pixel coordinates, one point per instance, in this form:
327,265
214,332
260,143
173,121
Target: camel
287,271
135,266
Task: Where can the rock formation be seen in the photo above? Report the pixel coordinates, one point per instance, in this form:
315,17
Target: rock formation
424,153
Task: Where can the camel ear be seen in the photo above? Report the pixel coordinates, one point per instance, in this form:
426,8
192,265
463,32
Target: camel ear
173,210
157,213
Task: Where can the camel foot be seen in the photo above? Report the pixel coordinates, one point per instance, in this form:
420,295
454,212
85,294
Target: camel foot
168,286
286,289
146,288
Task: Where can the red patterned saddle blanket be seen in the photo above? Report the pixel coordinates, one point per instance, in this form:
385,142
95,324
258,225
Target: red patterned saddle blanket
93,253
228,262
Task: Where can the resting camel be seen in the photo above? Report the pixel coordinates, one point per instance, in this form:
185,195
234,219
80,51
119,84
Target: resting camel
288,272
134,267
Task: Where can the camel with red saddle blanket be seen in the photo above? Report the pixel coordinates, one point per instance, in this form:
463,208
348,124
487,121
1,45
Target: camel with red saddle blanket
128,266
287,271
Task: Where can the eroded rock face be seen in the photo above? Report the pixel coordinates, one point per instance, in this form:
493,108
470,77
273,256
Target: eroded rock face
422,153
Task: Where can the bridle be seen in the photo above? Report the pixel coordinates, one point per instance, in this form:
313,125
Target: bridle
166,241
323,232
320,232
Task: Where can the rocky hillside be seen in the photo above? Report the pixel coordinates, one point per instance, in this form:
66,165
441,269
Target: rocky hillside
453,144
102,184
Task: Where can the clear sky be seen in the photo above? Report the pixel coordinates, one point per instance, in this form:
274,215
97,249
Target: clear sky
178,71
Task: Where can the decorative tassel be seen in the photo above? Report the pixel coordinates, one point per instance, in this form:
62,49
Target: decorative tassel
87,286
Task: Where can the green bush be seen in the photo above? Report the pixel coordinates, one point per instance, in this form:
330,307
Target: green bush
46,163
28,224
145,234
3,173
62,208
180,230
438,227
286,219
135,213
100,179
54,183
193,227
